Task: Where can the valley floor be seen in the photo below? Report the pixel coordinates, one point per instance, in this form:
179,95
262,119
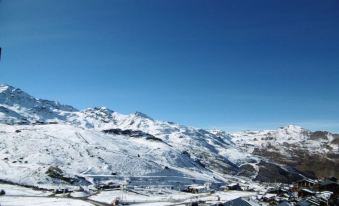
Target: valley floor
17,196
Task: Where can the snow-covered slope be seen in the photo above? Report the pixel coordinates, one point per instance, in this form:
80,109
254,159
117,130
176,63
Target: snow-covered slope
316,153
18,107
27,152
43,142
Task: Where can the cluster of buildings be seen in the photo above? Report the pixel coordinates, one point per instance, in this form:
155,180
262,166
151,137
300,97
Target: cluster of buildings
306,192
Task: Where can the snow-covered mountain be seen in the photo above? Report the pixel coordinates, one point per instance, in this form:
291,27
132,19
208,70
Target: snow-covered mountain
18,107
44,142
315,153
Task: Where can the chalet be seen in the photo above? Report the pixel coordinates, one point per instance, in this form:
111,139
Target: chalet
312,201
107,186
279,191
284,203
234,186
271,199
306,193
2,192
325,195
268,197
333,179
62,191
331,186
196,189
305,183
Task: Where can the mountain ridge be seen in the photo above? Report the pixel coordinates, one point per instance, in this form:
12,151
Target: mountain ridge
62,134
313,152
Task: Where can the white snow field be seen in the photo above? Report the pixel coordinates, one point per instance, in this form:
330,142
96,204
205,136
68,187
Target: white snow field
22,196
17,196
49,145
41,201
101,145
285,137
15,190
169,197
27,155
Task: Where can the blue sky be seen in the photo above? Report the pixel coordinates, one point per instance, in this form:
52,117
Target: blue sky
215,64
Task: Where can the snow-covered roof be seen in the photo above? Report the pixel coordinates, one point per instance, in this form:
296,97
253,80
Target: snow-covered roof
308,191
241,202
308,180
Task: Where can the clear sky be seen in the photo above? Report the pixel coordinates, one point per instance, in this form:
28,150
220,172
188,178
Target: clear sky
235,65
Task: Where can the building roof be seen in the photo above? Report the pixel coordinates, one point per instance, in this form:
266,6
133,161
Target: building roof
197,187
312,201
308,180
327,182
284,203
241,202
325,195
233,184
269,195
334,179
307,203
308,191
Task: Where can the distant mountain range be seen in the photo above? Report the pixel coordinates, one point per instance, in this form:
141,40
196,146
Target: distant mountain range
316,154
45,143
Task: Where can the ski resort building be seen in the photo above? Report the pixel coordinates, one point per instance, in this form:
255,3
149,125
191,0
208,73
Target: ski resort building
241,202
305,183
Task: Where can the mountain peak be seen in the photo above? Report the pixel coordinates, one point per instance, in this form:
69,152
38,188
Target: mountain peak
292,127
14,97
11,95
217,132
142,115
104,110
4,87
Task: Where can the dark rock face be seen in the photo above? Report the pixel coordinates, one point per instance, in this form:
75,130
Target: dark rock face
133,133
247,170
318,135
314,154
311,165
269,172
219,163
57,173
336,139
